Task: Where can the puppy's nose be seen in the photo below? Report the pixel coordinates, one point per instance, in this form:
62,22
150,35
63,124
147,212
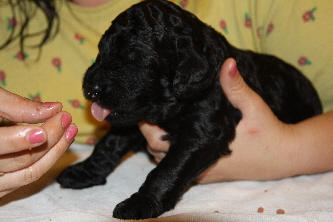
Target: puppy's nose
95,92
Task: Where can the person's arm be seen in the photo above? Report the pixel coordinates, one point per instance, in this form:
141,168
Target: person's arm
28,151
264,147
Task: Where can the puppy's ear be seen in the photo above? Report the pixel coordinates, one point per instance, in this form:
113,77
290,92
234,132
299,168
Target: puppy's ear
193,75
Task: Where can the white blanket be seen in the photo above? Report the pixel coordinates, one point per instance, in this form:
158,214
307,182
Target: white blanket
303,198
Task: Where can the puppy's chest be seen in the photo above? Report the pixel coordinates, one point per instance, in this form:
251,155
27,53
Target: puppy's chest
195,114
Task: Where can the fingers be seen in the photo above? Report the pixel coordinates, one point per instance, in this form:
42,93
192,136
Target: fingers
23,110
13,180
238,92
21,137
158,155
27,153
153,134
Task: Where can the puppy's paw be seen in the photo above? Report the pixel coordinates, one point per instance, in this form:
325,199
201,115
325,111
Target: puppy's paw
77,177
137,207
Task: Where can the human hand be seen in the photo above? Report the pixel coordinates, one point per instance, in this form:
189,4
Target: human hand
263,148
28,151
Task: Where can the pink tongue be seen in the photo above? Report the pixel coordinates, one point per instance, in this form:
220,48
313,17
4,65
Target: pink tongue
99,112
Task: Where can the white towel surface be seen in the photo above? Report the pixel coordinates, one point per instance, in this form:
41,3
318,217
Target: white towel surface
302,198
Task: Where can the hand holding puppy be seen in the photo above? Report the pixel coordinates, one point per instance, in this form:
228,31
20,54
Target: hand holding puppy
28,151
264,148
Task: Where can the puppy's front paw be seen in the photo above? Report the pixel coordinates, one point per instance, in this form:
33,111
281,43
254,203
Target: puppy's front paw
137,207
77,177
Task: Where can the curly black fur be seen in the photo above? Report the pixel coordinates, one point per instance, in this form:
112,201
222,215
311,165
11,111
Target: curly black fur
161,64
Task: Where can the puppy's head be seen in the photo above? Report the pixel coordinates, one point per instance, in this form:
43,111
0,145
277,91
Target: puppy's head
153,58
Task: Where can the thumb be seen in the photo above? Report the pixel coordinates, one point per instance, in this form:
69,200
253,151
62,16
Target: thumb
240,95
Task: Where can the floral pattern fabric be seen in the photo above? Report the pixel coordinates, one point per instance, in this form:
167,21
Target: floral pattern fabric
296,31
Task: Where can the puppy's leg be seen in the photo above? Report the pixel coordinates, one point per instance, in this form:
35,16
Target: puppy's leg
186,159
107,153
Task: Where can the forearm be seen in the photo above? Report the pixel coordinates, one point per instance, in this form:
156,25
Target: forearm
270,154
315,139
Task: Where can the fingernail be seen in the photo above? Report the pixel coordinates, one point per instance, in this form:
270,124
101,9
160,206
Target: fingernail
66,120
71,133
49,103
51,106
36,137
233,71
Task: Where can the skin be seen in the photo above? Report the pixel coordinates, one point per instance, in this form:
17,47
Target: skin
24,160
264,147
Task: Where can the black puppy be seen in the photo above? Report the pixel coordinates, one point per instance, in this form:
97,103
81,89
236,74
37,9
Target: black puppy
161,64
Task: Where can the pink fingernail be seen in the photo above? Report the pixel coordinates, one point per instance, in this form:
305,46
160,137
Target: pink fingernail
66,120
36,137
234,71
71,133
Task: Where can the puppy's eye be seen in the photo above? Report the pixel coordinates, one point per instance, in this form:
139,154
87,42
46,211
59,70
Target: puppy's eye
115,63
132,55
